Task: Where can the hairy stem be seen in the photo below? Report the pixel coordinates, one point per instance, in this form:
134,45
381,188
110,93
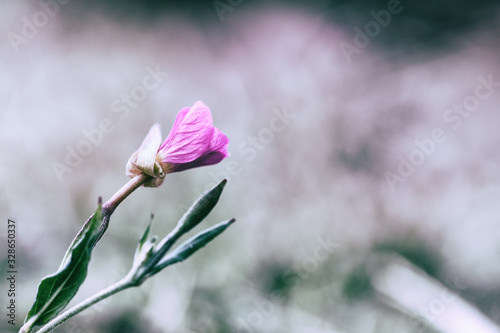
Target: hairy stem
107,210
109,206
103,294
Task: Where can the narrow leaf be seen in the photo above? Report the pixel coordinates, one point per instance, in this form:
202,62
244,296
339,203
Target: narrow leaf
145,236
201,208
194,215
186,249
55,291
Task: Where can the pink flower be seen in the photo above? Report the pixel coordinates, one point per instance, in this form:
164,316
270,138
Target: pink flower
192,142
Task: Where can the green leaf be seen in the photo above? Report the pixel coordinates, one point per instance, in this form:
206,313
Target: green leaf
194,215
186,249
201,208
144,237
55,291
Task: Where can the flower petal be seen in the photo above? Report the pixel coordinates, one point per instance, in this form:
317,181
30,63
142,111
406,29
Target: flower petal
216,153
147,153
220,142
190,137
131,169
178,121
145,158
211,158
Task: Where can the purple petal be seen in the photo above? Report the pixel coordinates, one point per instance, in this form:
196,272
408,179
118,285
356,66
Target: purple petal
216,153
180,118
191,135
208,159
219,142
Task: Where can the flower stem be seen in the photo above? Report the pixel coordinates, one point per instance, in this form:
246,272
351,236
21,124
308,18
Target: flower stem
103,294
109,206
107,210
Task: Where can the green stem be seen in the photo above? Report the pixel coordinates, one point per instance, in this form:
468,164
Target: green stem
107,209
103,294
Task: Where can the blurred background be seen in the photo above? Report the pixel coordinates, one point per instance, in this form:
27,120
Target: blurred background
363,172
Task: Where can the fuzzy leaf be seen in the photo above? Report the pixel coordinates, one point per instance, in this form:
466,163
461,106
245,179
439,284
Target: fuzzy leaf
186,249
55,291
144,237
200,208
194,215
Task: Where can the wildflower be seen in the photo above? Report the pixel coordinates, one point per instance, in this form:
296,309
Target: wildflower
192,142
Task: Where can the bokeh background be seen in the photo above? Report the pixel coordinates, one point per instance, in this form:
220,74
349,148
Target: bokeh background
364,170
